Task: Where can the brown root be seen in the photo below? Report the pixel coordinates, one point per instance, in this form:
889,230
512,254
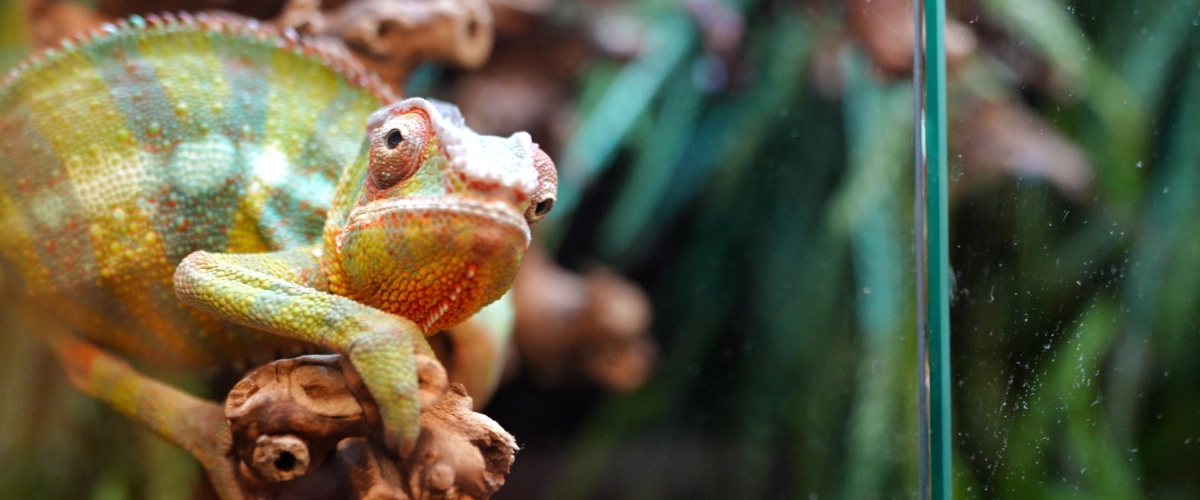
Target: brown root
280,458
286,416
592,326
461,454
307,428
391,37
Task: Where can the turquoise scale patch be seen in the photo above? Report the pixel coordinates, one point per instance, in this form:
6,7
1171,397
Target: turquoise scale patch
136,90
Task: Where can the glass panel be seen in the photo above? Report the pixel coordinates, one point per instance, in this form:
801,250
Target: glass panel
934,348
1075,163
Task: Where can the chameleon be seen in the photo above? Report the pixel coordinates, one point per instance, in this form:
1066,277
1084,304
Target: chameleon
201,191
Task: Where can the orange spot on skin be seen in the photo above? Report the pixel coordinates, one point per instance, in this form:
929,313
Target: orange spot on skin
51,246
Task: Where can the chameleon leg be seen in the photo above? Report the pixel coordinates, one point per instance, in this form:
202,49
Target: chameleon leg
276,292
194,424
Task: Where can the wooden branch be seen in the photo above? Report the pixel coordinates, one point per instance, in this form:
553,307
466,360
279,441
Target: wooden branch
391,37
571,327
307,428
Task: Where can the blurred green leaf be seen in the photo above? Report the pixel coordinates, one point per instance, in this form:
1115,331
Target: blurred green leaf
625,100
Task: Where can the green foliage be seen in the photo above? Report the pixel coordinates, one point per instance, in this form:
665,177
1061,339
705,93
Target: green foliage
1076,321
782,220
771,225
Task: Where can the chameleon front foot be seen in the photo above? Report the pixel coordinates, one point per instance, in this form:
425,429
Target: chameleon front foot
432,384
308,428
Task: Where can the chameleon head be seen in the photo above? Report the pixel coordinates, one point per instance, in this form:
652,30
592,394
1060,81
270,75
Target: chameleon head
438,216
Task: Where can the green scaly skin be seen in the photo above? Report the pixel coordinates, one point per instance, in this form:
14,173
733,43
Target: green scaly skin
199,192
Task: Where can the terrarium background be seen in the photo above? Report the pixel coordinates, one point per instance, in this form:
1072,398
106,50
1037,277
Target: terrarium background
749,163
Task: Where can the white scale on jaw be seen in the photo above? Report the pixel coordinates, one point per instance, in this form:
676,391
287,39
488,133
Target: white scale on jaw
436,315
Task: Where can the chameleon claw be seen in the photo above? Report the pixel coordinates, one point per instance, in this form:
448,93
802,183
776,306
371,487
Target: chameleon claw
404,446
432,385
432,379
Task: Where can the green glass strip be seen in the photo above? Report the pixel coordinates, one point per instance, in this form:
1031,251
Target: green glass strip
938,242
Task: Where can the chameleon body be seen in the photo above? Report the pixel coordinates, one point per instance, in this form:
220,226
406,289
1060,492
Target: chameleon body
197,192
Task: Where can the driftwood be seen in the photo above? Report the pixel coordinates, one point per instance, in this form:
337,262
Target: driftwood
391,37
572,327
307,428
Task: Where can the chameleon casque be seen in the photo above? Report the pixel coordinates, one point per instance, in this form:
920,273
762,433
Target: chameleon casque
197,191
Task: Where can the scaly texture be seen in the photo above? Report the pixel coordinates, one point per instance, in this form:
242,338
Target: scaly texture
125,151
179,189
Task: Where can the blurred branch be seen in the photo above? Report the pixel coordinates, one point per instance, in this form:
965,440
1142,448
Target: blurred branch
571,326
392,37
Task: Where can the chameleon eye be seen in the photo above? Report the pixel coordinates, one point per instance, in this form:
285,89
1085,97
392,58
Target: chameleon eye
536,211
543,207
396,150
394,138
543,197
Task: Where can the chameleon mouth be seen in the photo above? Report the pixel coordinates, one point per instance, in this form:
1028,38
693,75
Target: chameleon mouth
491,210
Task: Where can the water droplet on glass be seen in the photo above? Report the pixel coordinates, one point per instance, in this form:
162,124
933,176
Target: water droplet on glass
1139,164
